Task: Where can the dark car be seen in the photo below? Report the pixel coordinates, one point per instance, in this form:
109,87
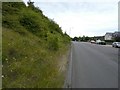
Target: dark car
116,44
102,43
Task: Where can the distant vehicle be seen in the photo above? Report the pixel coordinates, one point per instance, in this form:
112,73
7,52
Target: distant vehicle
116,44
92,41
100,42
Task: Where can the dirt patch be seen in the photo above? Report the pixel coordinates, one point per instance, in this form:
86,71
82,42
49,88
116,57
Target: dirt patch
63,61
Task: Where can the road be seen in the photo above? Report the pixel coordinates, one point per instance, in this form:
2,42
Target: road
93,66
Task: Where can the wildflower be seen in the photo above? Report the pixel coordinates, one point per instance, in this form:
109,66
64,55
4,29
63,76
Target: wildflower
11,70
14,58
2,76
25,57
6,59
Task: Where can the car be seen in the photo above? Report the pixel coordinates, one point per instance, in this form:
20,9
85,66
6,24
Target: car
100,42
116,44
92,41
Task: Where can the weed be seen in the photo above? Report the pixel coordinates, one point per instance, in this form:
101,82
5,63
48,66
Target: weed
32,45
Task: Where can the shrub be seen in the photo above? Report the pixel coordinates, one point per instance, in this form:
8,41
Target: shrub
12,7
9,22
53,43
29,23
54,26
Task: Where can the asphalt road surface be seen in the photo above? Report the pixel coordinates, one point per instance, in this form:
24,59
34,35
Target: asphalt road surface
93,66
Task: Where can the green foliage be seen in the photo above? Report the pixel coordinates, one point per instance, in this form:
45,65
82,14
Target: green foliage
12,7
117,39
36,9
32,45
53,43
10,12
29,23
75,39
53,25
83,38
9,22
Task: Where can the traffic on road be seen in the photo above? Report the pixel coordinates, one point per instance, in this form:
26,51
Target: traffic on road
99,42
93,66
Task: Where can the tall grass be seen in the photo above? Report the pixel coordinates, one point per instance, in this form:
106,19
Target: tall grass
32,48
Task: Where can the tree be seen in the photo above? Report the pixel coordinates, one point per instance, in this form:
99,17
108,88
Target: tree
31,5
75,39
117,39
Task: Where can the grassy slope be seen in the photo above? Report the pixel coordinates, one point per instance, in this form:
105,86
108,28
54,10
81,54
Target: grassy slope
31,52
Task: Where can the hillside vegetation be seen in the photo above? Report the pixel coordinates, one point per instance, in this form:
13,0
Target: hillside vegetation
34,48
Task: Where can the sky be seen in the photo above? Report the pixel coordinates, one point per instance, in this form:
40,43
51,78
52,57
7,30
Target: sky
82,17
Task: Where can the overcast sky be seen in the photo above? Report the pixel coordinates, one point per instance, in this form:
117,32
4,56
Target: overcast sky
82,17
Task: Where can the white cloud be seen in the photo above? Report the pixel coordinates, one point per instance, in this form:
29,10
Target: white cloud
113,1
87,24
86,17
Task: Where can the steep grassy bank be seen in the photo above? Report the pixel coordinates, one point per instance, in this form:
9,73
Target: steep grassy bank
33,46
